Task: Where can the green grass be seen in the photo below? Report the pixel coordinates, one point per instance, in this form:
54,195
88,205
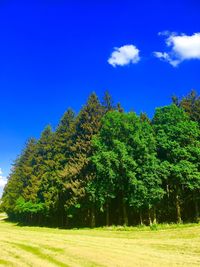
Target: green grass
165,245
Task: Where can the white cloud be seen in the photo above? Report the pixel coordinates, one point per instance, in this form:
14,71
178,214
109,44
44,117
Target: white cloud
166,33
124,55
183,47
2,180
166,57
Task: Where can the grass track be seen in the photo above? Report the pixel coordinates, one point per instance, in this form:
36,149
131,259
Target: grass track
35,246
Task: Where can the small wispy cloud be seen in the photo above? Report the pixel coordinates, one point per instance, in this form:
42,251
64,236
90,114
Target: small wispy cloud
124,55
182,47
2,180
167,57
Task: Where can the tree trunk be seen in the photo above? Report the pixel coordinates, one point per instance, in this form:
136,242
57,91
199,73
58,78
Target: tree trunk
154,216
64,219
178,209
149,214
141,219
167,189
197,218
93,219
125,216
168,201
38,219
107,215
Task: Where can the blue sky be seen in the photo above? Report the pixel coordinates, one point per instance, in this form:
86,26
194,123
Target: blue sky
53,54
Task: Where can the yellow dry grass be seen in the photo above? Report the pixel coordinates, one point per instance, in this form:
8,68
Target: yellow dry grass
35,246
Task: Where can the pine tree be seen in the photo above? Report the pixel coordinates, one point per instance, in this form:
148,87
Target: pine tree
77,171
19,178
108,104
190,104
63,139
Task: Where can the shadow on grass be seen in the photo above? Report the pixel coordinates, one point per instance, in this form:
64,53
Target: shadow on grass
153,227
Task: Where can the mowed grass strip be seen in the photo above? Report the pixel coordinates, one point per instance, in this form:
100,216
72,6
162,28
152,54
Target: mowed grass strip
35,246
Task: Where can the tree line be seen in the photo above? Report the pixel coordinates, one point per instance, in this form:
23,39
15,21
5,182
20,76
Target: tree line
105,166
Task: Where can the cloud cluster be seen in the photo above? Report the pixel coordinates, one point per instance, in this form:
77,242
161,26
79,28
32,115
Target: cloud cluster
124,55
2,180
182,47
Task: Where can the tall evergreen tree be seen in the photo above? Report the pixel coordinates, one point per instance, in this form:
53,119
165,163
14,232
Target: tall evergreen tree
19,178
108,103
63,140
78,171
190,104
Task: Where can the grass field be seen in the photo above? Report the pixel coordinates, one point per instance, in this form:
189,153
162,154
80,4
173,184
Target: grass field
35,246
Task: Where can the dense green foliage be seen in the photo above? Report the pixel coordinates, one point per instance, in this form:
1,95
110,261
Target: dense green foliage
104,166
